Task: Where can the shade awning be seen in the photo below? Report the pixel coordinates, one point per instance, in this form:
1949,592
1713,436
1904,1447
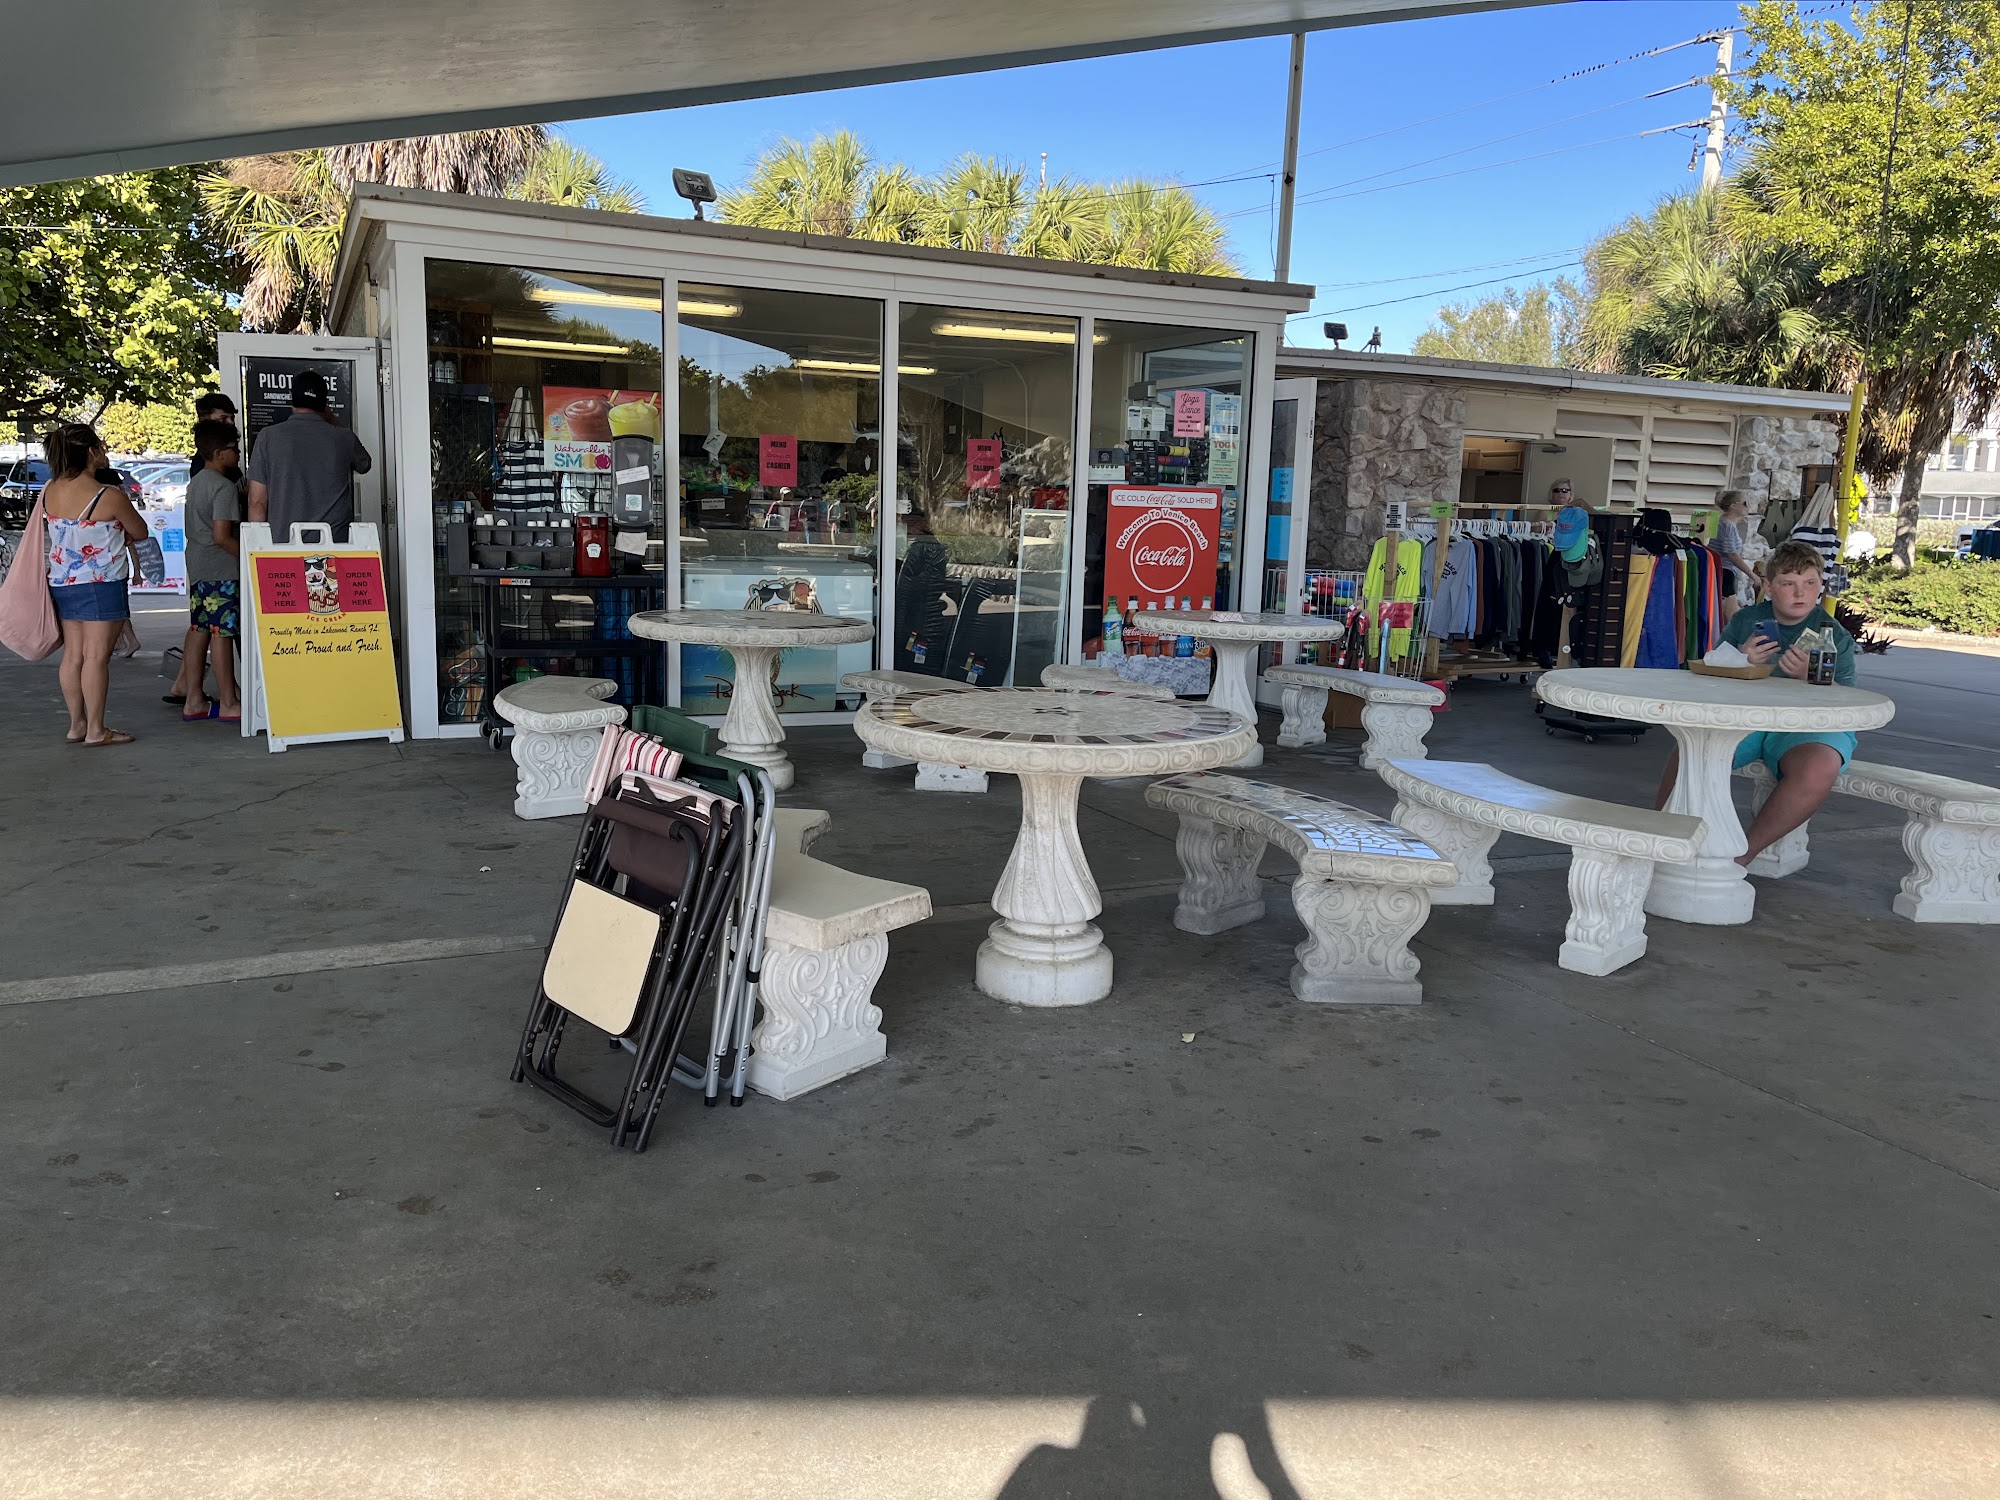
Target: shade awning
186,83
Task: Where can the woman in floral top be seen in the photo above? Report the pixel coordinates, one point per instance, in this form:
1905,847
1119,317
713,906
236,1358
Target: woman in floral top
91,530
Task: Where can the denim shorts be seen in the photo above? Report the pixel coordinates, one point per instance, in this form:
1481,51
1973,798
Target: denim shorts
91,601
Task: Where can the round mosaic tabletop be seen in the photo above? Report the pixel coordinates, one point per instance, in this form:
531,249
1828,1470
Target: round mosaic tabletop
1056,732
749,627
1655,695
1232,625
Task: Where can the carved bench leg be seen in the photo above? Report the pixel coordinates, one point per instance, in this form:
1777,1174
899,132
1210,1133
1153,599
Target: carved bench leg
1464,844
933,776
552,770
819,1020
1305,717
1607,911
1219,884
1789,855
1395,732
1954,875
1357,947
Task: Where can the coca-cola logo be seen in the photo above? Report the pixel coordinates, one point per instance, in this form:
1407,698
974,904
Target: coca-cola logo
1162,560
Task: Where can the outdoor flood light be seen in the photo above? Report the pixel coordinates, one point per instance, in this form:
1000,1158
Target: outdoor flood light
1336,332
697,187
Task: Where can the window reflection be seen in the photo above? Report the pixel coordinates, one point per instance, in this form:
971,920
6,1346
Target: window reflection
546,478
983,478
780,436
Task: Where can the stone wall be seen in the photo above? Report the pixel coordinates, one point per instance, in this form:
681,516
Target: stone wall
1770,451
1376,441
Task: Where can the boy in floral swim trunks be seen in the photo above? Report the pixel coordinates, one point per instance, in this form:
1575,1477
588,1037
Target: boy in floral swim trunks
1805,765
212,515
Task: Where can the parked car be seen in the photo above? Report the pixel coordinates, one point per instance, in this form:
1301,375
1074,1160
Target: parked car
19,485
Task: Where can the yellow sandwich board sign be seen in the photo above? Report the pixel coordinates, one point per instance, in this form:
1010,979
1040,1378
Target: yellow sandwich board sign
325,662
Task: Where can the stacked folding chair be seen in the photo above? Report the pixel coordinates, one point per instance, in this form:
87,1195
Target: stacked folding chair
664,903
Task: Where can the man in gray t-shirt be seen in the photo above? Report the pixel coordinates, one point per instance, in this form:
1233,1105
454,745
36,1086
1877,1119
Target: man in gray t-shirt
303,469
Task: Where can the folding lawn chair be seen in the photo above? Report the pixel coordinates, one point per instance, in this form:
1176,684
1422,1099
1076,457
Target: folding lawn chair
657,871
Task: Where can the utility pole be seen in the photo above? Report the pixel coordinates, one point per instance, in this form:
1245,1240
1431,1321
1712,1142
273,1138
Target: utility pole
1718,111
1283,269
1045,169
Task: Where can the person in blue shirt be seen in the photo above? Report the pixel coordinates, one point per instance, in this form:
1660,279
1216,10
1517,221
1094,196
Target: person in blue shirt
1805,765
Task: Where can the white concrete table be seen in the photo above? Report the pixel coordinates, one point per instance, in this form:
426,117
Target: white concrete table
751,730
1045,950
1236,638
1708,717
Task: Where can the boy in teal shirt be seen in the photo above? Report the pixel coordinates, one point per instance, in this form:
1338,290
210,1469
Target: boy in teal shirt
1805,765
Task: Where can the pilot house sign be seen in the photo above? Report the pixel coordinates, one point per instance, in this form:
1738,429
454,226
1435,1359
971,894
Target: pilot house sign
1163,543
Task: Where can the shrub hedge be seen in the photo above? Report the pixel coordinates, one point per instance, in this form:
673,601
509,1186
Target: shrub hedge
1960,597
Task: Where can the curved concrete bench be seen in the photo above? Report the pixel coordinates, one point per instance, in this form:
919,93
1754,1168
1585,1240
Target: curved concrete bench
1951,834
932,776
1397,714
825,943
557,724
1363,888
1461,807
1102,680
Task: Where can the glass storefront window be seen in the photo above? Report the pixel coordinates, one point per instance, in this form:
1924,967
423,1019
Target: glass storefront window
547,478
983,453
1167,434
780,441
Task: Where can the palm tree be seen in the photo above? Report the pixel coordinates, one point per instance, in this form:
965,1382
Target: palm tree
283,214
1682,294
833,185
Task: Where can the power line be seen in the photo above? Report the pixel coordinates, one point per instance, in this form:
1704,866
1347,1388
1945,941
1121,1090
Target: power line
1439,292
1328,197
1491,265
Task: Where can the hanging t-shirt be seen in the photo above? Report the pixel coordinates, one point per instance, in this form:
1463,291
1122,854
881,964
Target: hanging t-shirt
1638,591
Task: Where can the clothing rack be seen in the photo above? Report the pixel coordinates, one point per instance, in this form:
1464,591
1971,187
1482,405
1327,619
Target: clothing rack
1482,521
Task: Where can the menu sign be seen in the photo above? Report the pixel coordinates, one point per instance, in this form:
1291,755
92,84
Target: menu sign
267,392
982,463
1163,542
777,460
323,644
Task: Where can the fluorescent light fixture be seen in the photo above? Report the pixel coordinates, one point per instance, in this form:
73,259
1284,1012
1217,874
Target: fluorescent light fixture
689,307
558,346
857,367
1012,333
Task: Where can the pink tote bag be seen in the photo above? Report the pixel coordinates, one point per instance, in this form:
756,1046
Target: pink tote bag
28,625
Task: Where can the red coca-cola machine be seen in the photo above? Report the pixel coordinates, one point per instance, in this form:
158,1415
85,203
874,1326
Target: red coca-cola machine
1162,542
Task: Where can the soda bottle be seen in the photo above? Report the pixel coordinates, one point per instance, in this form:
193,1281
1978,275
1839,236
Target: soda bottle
1113,628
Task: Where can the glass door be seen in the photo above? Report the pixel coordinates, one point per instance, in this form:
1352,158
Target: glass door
1285,513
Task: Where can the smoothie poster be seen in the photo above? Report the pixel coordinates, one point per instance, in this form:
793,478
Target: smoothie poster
1162,542
579,425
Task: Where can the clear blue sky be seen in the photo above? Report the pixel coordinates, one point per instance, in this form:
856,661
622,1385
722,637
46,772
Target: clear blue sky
1199,113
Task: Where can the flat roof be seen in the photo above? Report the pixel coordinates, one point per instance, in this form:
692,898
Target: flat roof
191,82
1325,362
374,204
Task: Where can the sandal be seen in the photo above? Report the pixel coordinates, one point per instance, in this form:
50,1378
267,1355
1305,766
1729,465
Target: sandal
111,737
214,709
174,698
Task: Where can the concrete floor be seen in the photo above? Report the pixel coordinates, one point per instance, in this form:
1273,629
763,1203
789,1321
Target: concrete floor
1720,1225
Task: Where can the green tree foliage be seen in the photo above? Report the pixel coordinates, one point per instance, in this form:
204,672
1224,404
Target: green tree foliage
1960,597
158,427
1683,293
1817,112
1535,326
833,185
110,288
284,214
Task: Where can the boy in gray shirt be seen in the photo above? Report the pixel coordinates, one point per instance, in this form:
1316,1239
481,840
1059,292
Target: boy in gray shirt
212,569
303,469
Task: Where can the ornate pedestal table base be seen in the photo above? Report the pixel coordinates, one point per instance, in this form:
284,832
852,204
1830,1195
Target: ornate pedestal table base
1708,718
1045,949
1235,637
754,639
